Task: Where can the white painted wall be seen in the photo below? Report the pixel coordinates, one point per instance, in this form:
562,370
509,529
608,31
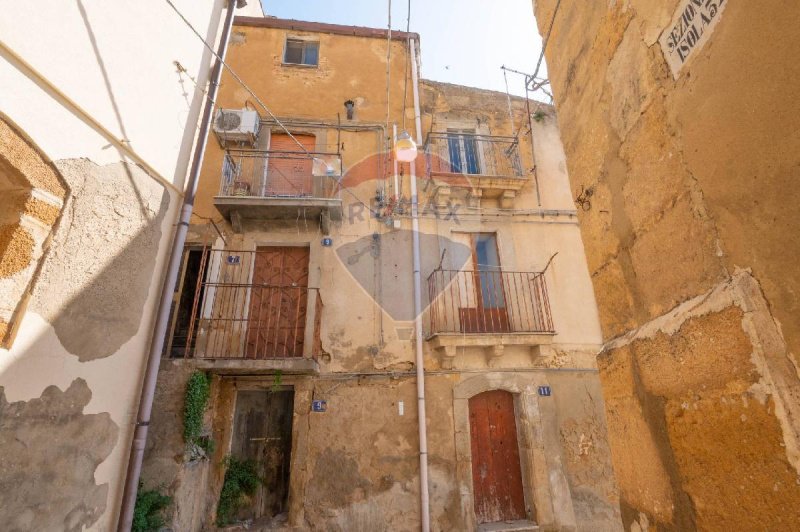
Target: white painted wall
115,59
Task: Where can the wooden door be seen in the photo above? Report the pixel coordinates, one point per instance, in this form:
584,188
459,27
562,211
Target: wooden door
289,168
490,314
278,301
262,432
496,473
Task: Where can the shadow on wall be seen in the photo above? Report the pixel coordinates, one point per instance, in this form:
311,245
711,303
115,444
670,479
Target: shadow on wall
92,291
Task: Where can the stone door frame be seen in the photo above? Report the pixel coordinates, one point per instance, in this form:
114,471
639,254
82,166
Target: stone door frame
547,493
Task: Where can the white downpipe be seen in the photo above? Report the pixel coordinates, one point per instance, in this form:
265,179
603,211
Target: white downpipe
396,180
425,517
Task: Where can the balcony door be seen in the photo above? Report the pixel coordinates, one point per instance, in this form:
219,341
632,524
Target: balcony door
489,314
278,303
289,168
463,151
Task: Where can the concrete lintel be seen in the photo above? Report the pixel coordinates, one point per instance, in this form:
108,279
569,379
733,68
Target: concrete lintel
289,366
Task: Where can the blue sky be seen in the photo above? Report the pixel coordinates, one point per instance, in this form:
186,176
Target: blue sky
463,41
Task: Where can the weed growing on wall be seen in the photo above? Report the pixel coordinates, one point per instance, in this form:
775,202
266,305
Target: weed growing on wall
148,512
198,390
241,482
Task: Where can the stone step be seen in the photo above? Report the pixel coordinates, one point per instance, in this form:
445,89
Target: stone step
509,526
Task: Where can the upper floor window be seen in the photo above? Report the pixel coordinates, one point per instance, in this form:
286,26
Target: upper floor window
464,151
299,52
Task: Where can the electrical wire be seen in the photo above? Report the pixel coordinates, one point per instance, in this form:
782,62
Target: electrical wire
258,100
546,39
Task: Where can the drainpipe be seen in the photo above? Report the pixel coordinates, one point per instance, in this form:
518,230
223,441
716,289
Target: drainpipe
173,269
396,179
422,417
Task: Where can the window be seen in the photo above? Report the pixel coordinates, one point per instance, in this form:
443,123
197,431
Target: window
463,151
301,52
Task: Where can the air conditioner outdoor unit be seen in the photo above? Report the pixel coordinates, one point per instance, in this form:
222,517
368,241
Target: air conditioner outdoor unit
237,125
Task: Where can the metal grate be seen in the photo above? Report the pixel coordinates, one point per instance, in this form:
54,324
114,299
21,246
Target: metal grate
234,318
456,153
488,302
270,174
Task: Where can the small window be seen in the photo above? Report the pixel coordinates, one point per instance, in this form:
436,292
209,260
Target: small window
301,52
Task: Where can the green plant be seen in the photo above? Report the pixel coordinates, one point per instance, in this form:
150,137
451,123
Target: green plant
147,514
241,481
539,116
276,381
198,390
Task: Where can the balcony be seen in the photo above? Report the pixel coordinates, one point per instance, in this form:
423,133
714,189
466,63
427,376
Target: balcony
237,326
488,309
275,185
485,166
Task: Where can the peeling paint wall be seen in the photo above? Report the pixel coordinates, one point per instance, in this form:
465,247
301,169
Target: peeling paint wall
355,466
691,176
52,436
85,222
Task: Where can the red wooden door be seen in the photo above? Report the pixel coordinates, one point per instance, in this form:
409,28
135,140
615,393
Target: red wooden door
289,168
278,301
496,474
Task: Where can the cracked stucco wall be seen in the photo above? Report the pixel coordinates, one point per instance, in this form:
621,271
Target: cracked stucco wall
355,467
692,181
83,330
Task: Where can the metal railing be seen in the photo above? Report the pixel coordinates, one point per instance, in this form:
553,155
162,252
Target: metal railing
234,318
280,174
488,302
449,153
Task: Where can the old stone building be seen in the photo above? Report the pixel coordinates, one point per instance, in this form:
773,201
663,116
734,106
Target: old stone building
96,131
296,297
680,124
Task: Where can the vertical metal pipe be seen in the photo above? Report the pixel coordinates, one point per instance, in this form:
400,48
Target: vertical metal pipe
533,144
396,178
422,417
162,318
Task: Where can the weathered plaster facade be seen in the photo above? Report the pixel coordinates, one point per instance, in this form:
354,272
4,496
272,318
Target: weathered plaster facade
355,466
97,124
692,249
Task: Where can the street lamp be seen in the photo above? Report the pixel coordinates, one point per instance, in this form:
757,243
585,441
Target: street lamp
405,148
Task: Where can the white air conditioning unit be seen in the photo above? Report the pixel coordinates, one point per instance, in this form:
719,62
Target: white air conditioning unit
237,125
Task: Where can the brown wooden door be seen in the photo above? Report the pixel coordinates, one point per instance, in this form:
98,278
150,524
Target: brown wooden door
289,169
262,432
278,301
496,474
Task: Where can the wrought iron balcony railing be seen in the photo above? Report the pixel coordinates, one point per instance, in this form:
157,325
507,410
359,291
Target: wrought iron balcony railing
466,154
488,302
234,318
281,174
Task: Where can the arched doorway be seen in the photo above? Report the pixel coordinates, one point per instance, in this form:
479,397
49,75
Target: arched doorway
496,472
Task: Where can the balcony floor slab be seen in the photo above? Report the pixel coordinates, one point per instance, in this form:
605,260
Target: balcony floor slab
287,366
277,208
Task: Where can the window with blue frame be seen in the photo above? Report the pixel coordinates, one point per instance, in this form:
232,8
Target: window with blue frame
489,272
463,151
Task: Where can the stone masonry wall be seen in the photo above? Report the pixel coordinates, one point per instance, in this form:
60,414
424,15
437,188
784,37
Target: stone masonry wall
691,182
